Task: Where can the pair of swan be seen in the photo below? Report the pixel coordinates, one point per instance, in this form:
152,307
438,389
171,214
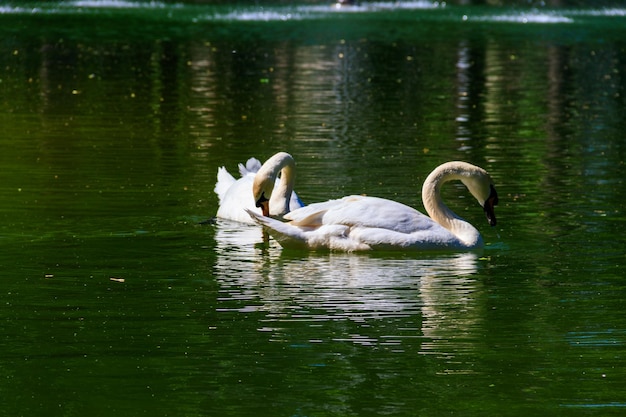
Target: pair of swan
360,223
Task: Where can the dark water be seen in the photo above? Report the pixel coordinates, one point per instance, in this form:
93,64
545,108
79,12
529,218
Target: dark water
116,300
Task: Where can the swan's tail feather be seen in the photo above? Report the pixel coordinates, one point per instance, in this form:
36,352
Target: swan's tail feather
252,167
287,236
224,182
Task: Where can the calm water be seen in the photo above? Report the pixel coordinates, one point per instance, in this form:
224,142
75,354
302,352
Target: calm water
116,300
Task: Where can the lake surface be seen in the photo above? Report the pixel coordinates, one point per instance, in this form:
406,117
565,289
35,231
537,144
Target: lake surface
118,298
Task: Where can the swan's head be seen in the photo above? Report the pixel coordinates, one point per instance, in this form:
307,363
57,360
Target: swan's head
265,180
489,205
480,184
262,188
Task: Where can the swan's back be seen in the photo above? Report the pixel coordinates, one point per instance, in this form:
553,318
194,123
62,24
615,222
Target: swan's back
362,211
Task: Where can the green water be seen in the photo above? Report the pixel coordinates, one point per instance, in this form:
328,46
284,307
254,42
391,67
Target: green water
119,299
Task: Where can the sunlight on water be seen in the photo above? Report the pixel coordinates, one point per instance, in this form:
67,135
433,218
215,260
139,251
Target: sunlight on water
539,18
597,338
208,13
314,12
535,16
82,6
599,405
119,4
613,12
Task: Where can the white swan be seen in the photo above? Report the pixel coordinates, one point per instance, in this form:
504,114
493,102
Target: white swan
236,195
357,223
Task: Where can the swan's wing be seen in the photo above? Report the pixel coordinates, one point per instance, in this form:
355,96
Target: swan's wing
312,221
294,237
379,213
432,237
313,211
252,167
237,198
224,182
362,211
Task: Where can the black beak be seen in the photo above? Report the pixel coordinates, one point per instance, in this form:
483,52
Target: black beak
491,202
264,204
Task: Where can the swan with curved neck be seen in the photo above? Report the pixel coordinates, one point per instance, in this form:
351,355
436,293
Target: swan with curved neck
357,223
270,199
237,196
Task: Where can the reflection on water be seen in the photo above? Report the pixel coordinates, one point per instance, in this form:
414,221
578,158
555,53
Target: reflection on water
436,292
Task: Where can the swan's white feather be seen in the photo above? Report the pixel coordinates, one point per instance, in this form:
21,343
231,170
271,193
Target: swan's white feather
252,166
363,211
357,223
224,182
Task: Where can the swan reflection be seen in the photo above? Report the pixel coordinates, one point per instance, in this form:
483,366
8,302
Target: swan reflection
428,303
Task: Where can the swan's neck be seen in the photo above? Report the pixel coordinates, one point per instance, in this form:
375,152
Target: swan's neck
281,195
279,202
440,213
